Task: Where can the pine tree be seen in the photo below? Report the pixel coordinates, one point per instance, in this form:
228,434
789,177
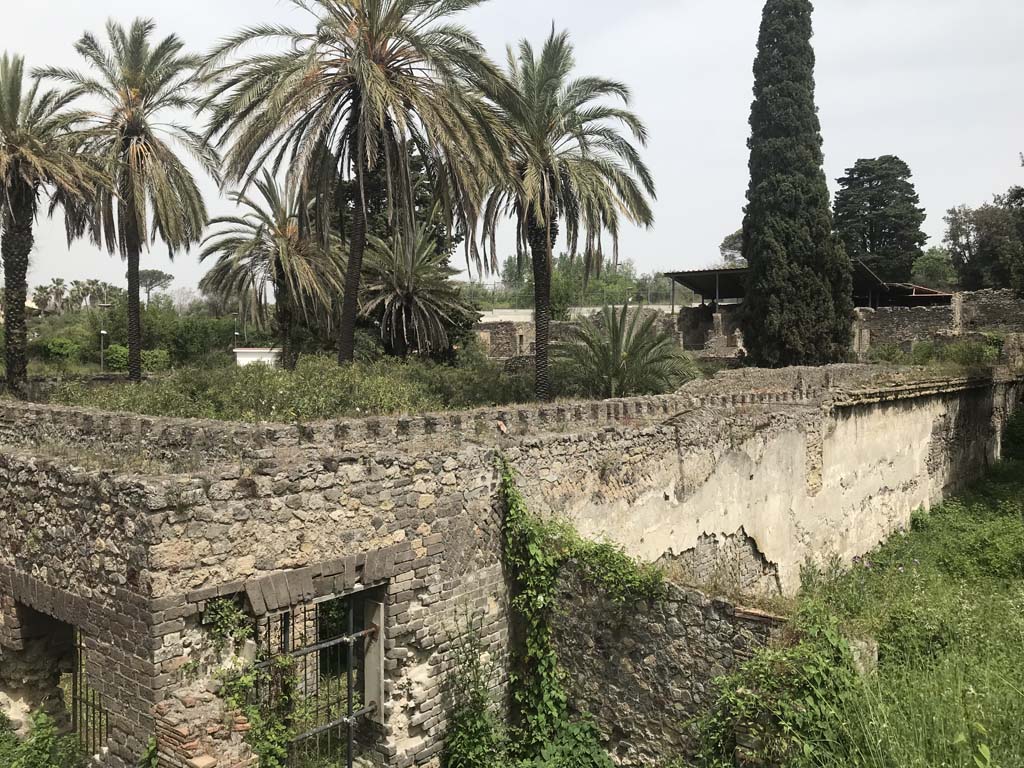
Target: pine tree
879,217
800,298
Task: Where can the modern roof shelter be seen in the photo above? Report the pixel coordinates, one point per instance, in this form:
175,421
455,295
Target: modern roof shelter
869,290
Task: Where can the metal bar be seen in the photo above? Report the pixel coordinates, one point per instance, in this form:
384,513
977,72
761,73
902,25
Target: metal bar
356,716
348,672
344,640
74,682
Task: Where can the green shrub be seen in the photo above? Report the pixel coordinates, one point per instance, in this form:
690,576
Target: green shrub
782,697
475,737
970,354
61,350
44,747
116,357
190,339
317,389
887,353
575,744
923,353
156,360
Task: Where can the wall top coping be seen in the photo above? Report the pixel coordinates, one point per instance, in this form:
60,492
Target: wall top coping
24,424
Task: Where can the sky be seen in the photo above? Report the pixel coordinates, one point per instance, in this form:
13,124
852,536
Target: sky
937,82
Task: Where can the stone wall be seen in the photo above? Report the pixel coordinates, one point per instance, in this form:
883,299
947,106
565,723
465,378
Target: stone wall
504,340
992,311
711,335
644,671
755,470
802,480
903,327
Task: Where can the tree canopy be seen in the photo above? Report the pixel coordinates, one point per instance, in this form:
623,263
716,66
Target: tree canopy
987,243
934,269
878,217
799,301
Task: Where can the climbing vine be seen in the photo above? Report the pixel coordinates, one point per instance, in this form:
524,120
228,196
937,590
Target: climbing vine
535,552
270,730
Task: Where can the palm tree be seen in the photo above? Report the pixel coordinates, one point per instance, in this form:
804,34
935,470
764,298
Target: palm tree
407,288
41,298
58,294
622,352
262,250
371,81
570,164
38,157
153,195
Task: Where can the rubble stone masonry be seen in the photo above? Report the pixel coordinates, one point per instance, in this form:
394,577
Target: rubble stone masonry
125,526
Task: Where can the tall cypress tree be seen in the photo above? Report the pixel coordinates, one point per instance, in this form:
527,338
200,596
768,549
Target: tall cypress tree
799,307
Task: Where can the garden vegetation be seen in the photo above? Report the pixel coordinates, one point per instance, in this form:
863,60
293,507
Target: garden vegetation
943,602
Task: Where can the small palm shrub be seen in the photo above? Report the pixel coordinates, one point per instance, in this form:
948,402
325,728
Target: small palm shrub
623,352
407,288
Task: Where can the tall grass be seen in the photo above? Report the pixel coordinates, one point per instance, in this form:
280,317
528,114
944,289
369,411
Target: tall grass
944,602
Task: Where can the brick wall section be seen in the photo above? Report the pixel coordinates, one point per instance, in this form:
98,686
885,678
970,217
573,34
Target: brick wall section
644,670
118,647
731,561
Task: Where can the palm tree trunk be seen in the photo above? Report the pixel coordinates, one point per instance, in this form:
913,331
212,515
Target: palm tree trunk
285,320
133,249
353,273
17,245
540,248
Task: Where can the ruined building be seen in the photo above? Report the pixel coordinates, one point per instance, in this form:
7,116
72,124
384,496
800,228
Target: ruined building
357,551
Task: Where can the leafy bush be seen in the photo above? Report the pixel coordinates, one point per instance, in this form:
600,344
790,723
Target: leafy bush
156,360
781,699
475,737
970,354
575,744
887,353
44,747
116,357
923,353
61,350
189,339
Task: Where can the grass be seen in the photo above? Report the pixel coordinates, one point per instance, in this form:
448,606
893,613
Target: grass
945,603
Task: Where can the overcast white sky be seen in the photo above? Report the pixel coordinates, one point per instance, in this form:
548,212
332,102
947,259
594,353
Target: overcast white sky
937,82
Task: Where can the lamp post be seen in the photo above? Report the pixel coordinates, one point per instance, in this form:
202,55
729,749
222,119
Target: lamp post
103,336
237,336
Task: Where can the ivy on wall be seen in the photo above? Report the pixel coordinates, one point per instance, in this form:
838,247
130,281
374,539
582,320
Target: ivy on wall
535,552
